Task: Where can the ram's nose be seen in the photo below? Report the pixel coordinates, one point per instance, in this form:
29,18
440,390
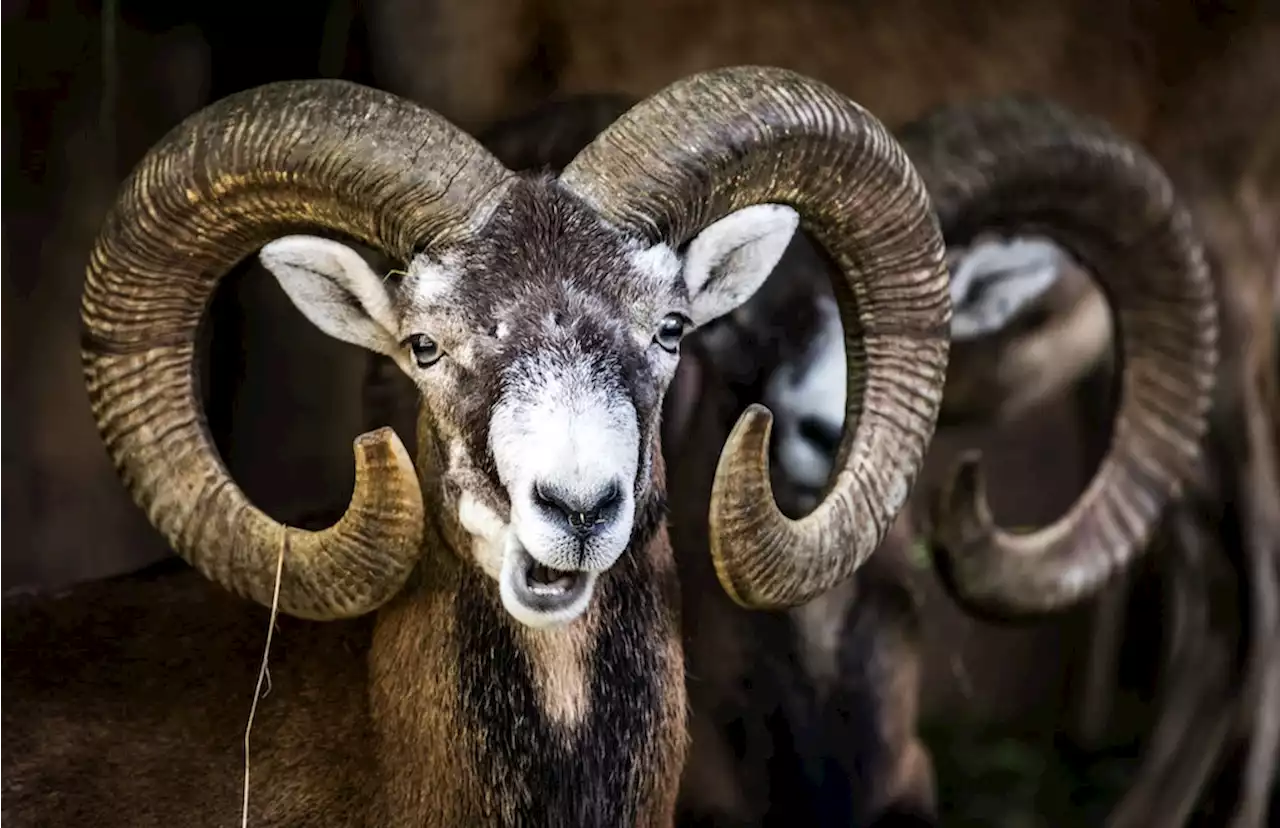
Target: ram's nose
582,513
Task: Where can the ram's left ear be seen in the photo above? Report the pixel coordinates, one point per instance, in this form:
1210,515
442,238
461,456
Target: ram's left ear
728,261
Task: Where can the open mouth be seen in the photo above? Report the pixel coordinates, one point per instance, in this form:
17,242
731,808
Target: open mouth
545,581
537,595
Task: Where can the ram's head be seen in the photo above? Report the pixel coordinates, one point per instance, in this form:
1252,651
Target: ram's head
1026,323
1034,201
540,318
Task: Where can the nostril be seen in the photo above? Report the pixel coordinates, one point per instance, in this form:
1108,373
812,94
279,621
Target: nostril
609,498
825,436
606,505
546,498
584,514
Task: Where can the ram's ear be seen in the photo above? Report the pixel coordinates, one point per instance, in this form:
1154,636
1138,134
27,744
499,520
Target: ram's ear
994,281
728,261
335,288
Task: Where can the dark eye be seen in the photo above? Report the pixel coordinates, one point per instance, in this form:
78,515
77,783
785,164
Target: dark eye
425,350
670,331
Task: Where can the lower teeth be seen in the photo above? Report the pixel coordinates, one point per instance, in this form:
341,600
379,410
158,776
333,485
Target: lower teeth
546,581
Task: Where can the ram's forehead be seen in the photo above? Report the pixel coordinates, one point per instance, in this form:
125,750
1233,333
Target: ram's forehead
545,252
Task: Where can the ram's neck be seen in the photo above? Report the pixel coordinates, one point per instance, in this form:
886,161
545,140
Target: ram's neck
482,720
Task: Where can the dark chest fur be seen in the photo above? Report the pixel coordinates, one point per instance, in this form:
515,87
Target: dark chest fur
805,757
607,769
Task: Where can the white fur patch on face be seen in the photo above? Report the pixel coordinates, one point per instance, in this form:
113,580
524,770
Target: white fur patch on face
488,532
659,265
432,281
807,399
994,281
564,442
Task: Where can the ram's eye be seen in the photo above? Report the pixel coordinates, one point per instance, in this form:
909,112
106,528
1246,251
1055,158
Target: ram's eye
670,331
425,350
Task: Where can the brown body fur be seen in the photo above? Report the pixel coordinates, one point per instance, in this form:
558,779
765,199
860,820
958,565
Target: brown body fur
126,702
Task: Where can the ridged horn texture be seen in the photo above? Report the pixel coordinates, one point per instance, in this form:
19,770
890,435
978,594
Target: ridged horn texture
730,138
279,159
1021,165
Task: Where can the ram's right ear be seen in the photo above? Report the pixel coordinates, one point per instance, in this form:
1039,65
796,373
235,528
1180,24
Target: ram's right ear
335,288
729,260
993,282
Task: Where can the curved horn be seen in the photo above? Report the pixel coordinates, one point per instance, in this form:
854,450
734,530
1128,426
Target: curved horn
279,159
1019,165
726,139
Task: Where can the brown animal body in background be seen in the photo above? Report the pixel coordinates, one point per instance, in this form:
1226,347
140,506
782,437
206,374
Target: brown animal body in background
1081,224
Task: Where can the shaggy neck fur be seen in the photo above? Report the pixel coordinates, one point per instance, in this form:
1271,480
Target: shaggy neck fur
481,720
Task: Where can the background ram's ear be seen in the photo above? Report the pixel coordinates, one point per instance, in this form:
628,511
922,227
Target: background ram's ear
994,281
335,288
728,261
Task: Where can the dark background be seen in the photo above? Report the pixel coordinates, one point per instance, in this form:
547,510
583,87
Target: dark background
89,87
